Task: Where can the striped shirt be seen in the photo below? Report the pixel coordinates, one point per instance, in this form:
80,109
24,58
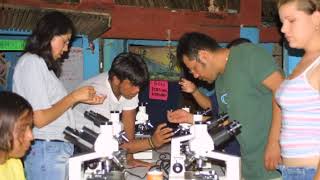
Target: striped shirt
300,105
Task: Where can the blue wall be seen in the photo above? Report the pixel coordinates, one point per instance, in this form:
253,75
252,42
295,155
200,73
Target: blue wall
251,33
91,59
291,58
112,47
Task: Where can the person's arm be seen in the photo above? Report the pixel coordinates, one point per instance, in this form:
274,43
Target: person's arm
203,100
182,116
128,119
161,136
189,87
317,176
85,94
272,150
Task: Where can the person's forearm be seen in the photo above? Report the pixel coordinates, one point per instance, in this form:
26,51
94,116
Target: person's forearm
273,82
128,120
137,145
134,145
274,133
203,101
46,116
317,176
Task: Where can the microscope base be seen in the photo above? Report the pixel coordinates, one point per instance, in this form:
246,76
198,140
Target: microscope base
113,175
191,175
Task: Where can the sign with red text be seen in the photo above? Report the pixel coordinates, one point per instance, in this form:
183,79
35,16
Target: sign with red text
158,89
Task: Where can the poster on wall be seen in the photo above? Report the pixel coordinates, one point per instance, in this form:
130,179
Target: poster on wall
72,69
4,71
158,89
161,61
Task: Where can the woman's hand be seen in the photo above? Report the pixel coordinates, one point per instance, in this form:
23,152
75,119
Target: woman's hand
87,94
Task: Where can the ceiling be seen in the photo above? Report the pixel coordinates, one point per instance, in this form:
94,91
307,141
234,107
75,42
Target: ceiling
24,18
150,19
268,14
194,5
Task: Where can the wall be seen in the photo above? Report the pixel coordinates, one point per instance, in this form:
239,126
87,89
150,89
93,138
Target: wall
156,108
132,22
91,58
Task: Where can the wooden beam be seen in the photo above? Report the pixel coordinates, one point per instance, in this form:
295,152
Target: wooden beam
153,23
250,12
87,5
270,34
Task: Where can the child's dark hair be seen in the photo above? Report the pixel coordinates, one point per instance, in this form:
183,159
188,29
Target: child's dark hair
12,106
130,66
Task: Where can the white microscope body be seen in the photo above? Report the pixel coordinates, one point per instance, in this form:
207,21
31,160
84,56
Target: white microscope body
142,117
106,142
143,127
142,123
201,148
105,147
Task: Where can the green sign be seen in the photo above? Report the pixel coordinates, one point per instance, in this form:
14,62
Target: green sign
12,45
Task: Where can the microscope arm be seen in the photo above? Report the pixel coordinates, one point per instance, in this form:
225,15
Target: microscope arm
233,164
75,165
96,118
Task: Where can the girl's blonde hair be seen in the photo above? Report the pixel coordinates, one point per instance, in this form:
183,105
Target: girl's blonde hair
307,6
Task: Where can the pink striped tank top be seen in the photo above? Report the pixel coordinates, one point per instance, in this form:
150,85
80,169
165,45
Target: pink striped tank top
300,106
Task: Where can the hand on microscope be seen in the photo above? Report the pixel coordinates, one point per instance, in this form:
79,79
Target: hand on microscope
87,94
161,135
179,116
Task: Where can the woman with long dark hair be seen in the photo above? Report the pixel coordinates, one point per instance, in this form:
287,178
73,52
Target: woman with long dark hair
36,78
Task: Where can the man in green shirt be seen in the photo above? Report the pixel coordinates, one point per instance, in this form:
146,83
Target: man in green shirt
246,78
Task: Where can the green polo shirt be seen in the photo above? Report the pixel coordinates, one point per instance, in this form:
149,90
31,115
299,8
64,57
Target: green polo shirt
242,95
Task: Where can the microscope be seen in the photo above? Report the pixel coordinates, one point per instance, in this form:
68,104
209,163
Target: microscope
193,153
103,159
143,125
184,128
143,129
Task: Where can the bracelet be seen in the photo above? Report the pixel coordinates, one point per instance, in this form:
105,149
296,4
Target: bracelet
151,143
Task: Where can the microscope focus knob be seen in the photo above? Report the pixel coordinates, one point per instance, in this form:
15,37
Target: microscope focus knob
177,168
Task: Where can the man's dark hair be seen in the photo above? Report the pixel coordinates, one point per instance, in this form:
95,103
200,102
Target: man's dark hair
50,25
191,43
130,66
12,106
238,41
